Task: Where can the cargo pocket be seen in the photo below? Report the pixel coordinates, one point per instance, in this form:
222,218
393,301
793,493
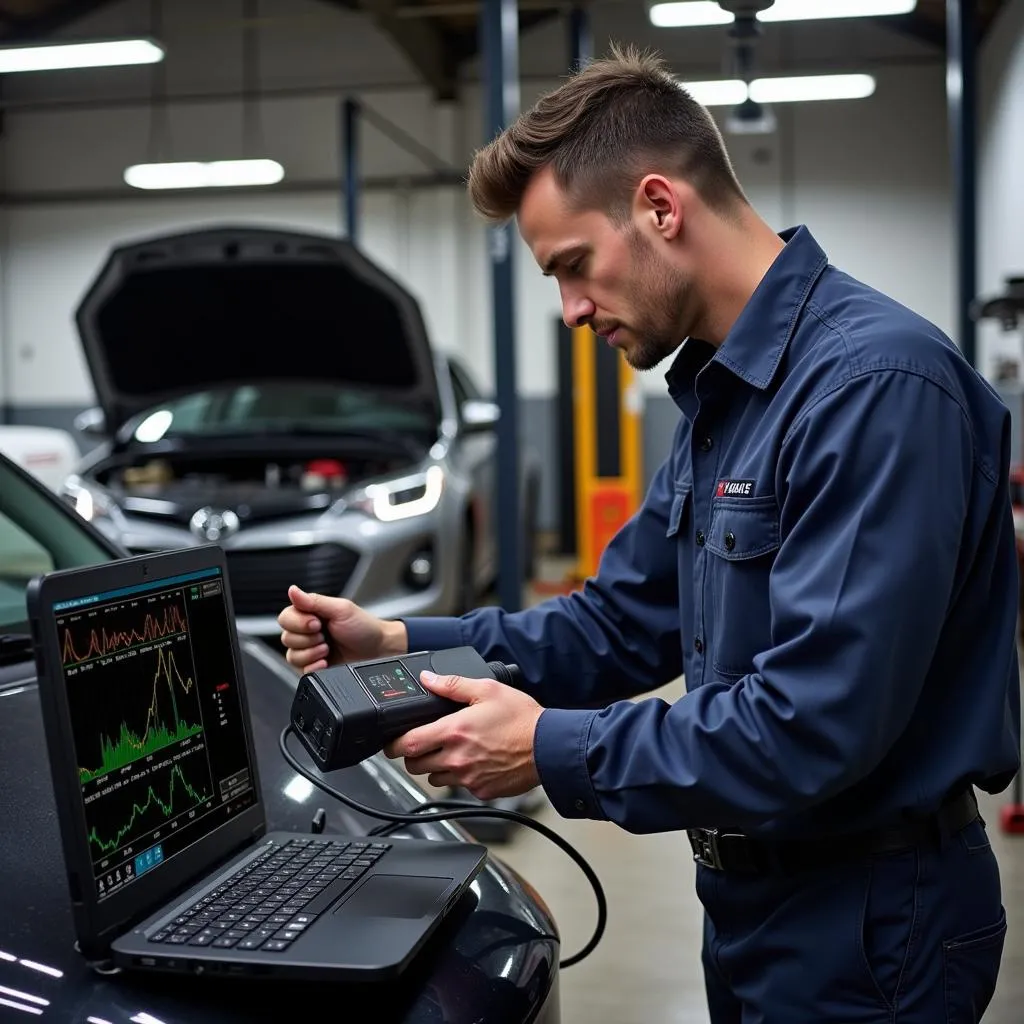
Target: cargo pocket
743,540
971,967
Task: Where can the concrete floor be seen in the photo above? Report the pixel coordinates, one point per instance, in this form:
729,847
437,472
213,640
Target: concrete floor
646,969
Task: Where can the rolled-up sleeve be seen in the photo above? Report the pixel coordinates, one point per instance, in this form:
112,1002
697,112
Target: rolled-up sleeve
873,481
617,637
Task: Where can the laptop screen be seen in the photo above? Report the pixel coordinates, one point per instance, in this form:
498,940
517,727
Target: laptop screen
159,739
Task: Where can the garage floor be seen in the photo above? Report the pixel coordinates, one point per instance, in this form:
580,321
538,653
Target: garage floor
646,969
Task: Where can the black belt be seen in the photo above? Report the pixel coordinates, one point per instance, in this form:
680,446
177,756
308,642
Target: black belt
736,852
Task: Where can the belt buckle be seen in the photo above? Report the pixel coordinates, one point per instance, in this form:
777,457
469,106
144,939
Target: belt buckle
705,847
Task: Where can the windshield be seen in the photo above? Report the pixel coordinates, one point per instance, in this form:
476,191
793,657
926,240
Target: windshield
36,535
279,408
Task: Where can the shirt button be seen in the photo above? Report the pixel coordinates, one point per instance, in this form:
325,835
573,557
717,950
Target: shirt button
580,805
700,538
705,444
730,541
698,645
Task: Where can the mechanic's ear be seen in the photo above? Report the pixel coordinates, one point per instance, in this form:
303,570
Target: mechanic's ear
659,207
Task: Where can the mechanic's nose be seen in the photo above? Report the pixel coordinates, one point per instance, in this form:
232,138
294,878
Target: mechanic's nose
577,310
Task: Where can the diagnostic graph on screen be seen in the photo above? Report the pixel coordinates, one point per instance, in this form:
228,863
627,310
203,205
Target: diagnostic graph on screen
137,720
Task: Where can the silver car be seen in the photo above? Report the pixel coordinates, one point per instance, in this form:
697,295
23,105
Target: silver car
277,393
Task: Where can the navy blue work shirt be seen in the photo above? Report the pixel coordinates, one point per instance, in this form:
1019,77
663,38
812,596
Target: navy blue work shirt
828,554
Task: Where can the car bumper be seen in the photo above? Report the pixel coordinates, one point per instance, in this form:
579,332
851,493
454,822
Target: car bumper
348,555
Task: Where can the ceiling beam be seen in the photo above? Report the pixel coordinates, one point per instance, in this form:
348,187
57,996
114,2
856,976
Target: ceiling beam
421,41
29,28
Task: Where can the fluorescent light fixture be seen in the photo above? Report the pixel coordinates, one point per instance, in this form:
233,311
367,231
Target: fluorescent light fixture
61,56
691,13
729,92
688,14
725,93
212,174
805,10
811,87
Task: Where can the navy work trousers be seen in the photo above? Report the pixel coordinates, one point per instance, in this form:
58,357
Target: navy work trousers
914,937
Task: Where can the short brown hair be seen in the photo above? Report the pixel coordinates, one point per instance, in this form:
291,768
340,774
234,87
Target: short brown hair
600,131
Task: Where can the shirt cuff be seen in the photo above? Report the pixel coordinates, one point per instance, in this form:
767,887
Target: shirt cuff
560,754
433,633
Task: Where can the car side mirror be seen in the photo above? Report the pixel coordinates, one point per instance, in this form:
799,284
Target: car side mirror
479,417
92,422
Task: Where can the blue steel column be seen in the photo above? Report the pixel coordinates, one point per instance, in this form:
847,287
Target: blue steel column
961,93
581,42
350,167
499,47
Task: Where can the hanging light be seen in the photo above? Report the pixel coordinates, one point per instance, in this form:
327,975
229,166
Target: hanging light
728,92
208,174
691,13
62,56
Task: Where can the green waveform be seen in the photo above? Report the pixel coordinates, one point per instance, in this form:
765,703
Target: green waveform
129,747
167,809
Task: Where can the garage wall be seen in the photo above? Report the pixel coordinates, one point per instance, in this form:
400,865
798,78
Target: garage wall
875,194
1001,200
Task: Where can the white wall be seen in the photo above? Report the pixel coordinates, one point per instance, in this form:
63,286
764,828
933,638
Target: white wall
1001,173
875,193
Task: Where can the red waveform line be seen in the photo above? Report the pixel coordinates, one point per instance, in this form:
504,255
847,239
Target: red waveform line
105,641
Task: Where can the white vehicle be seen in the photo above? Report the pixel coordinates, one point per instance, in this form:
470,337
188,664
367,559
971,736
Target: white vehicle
48,453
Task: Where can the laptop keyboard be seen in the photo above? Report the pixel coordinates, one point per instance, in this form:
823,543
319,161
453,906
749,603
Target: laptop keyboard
275,897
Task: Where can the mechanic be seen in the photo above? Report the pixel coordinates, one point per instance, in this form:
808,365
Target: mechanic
827,555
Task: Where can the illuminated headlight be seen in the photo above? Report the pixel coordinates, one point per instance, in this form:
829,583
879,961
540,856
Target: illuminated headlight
89,502
401,498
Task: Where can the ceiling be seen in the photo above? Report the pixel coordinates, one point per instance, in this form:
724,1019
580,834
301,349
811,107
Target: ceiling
438,36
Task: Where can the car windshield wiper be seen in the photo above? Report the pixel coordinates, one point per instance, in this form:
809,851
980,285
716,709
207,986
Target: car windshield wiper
14,647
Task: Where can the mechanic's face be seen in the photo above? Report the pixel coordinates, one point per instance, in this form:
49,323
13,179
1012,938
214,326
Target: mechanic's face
609,276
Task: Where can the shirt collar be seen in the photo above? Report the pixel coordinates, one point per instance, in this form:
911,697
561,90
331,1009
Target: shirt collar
754,346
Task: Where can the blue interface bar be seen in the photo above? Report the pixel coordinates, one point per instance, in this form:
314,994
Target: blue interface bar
141,588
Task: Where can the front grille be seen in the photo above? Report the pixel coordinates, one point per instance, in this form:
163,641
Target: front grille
260,578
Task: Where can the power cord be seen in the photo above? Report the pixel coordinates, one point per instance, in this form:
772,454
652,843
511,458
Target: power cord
454,810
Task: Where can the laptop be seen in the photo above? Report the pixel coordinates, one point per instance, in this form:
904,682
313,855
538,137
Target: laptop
170,863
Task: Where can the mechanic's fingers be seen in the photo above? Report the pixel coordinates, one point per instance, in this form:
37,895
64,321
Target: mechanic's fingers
302,641
324,608
294,621
310,660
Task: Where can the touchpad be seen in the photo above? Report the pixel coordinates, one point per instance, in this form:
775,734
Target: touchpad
395,896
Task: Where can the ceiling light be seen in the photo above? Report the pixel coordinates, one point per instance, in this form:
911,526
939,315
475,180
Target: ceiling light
802,10
811,87
689,13
56,57
213,174
728,92
724,93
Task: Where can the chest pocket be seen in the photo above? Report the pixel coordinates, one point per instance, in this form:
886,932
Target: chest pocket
742,543
680,502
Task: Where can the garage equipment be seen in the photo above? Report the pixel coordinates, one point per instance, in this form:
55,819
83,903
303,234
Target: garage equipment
346,713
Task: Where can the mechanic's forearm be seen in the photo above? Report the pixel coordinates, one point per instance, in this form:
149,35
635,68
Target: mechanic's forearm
572,651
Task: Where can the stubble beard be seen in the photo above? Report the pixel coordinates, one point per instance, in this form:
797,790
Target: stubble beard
660,296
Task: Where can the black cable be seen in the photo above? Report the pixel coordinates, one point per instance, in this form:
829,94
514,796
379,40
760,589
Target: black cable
455,810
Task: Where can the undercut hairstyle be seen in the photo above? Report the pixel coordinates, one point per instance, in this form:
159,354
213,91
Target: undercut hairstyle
601,131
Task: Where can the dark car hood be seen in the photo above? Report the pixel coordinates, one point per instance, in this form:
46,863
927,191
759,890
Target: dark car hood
496,960
185,312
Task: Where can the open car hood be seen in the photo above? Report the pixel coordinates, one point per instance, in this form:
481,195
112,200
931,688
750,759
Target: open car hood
201,309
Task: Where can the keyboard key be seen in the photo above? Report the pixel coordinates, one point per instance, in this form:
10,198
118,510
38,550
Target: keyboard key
224,942
250,942
204,938
275,945
160,935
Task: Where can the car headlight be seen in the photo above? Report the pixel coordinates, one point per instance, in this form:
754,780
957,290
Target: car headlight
89,501
401,498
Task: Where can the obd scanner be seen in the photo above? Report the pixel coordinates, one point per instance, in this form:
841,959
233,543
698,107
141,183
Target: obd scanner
346,713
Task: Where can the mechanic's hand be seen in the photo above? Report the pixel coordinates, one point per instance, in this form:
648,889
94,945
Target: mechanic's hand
486,747
355,634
